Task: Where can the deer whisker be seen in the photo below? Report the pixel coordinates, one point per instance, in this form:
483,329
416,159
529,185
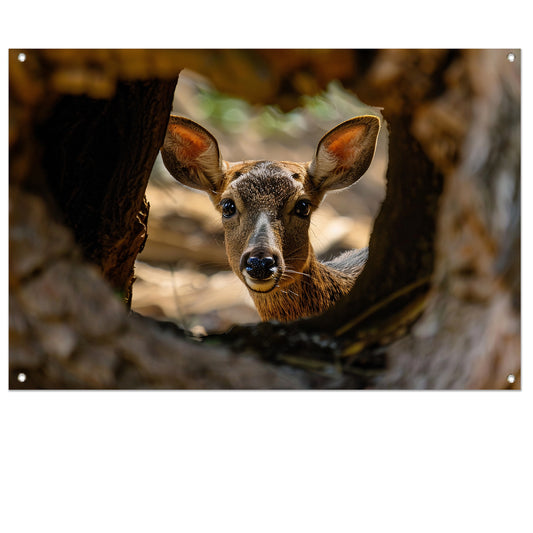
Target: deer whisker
297,272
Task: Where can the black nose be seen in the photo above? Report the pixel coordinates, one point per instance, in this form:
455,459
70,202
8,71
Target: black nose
260,268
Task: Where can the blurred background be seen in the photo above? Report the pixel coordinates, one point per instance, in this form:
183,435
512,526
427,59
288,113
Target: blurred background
182,275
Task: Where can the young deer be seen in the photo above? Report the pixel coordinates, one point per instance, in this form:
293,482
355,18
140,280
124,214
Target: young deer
266,208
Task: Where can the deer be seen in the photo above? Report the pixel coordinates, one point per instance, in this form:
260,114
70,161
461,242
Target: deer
266,208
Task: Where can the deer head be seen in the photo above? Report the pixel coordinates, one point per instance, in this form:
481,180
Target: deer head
266,206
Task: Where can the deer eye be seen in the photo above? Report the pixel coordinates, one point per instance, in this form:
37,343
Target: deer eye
302,208
228,208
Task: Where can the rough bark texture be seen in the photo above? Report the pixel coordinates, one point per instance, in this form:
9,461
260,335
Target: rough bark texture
437,306
468,122
102,196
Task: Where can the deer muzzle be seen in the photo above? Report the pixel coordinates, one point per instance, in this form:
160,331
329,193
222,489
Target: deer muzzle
261,264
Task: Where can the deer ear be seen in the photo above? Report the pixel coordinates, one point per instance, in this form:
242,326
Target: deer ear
344,154
191,155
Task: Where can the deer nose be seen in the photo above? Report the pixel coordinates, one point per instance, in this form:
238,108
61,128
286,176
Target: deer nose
260,267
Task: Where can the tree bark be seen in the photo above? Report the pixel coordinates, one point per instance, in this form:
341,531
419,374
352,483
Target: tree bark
98,155
437,306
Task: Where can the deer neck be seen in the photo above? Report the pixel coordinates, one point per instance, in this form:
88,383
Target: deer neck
314,290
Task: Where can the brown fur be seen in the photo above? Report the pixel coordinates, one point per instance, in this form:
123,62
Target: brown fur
266,221
311,293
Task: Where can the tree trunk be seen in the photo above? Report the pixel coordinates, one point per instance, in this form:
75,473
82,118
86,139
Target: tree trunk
437,306
98,155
